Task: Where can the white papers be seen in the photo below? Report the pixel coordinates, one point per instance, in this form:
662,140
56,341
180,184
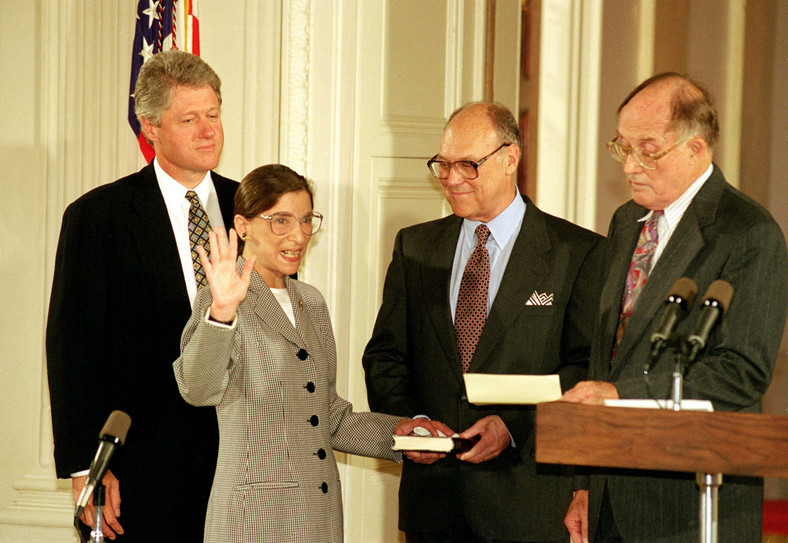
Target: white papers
496,388
686,405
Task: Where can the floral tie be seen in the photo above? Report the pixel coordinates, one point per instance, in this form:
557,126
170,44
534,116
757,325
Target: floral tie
639,268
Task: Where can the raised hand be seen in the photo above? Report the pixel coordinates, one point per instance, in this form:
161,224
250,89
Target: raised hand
228,289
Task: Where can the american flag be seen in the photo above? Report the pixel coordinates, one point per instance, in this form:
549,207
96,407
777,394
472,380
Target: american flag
161,25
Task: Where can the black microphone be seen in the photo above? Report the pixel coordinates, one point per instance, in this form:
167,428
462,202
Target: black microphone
112,435
678,302
715,304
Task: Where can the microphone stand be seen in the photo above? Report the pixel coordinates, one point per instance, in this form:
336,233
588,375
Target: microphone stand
709,483
677,390
97,535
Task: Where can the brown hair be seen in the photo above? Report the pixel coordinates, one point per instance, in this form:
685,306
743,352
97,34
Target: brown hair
263,186
693,109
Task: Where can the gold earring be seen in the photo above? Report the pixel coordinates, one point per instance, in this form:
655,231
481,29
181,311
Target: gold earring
243,236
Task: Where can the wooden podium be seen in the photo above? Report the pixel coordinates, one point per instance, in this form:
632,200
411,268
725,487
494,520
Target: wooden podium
708,444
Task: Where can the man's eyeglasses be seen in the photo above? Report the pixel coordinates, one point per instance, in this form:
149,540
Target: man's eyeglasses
282,223
467,169
648,161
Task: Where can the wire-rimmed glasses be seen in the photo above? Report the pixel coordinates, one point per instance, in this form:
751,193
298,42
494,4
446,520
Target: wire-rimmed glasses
648,161
282,223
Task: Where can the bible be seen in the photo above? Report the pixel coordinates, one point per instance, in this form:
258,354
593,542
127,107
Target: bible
443,444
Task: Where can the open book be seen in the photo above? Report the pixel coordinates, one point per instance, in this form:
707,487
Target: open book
445,444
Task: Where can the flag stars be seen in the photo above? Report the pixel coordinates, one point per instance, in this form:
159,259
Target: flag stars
151,12
147,50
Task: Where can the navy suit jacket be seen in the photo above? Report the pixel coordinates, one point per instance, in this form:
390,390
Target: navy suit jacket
116,314
722,235
412,367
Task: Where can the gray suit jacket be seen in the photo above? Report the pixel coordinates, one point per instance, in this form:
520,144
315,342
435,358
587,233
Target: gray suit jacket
722,235
412,367
280,418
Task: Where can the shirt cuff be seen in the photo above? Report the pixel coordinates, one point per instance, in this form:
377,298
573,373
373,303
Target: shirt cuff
220,324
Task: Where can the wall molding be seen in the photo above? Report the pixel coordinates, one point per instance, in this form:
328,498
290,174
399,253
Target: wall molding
568,111
36,497
295,83
38,501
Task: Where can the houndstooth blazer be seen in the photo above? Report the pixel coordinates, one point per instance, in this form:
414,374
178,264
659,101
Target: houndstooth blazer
280,418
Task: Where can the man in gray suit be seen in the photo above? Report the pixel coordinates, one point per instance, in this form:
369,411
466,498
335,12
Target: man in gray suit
539,294
704,229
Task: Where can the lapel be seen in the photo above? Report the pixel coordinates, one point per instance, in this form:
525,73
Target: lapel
525,272
439,246
154,239
225,191
688,240
621,243
306,335
267,309
155,242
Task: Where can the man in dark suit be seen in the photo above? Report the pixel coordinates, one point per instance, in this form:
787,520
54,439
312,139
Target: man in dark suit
123,284
538,297
704,230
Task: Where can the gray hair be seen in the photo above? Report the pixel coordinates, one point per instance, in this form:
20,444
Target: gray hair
162,73
692,106
502,119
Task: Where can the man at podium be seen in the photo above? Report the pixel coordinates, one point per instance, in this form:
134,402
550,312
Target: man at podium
684,220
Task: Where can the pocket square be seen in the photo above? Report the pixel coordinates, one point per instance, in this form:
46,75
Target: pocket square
540,299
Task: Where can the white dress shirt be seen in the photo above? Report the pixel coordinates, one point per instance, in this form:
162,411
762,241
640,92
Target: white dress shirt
503,233
672,215
178,209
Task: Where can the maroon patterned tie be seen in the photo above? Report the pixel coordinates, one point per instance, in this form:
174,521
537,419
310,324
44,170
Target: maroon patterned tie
471,312
639,268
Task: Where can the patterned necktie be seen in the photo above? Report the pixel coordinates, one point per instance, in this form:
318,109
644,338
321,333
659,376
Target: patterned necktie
471,312
639,268
199,226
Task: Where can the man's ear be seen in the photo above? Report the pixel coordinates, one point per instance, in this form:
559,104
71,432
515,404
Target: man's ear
148,129
698,145
512,158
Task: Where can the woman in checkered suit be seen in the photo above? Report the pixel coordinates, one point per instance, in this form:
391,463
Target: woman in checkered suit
260,347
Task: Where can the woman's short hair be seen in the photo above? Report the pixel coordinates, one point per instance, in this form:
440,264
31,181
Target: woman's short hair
262,187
